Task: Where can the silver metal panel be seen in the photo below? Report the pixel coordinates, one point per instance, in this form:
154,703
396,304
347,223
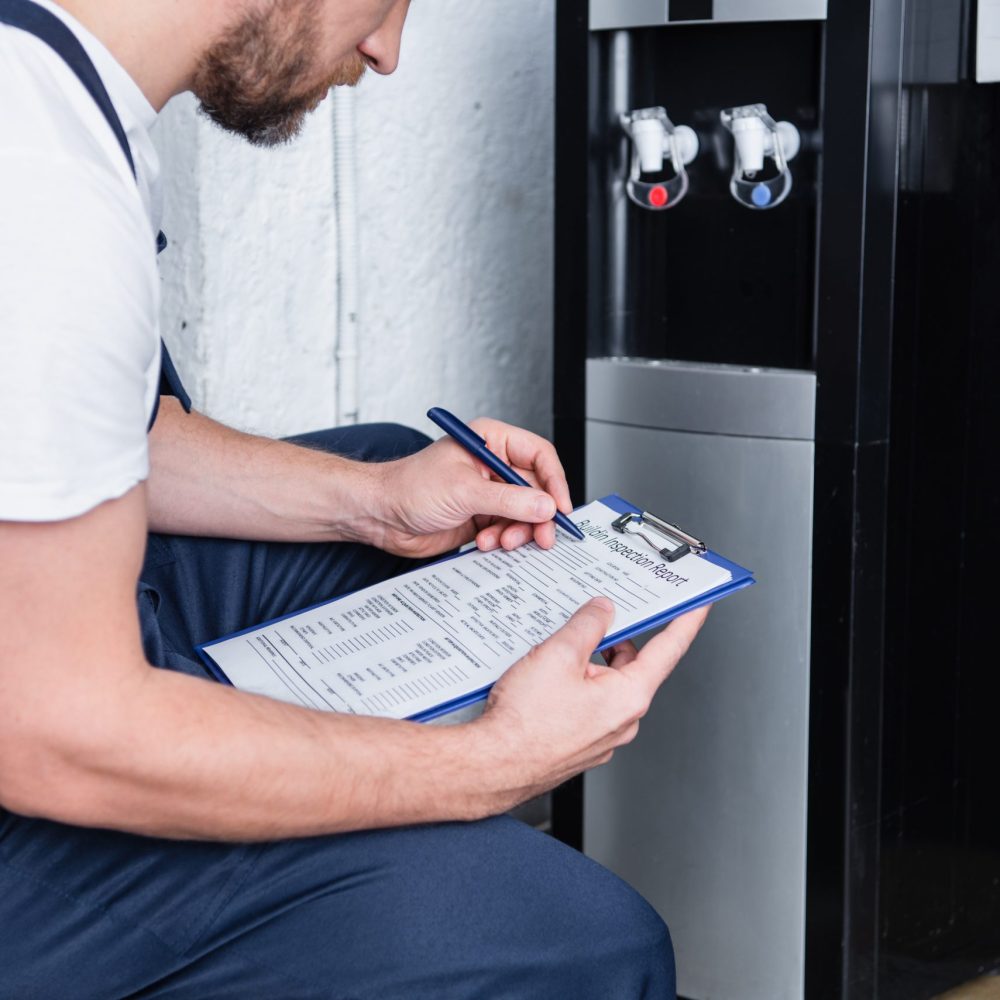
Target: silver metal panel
705,813
769,10
605,14
626,13
710,399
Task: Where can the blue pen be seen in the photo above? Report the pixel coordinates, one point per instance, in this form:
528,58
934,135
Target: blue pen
476,446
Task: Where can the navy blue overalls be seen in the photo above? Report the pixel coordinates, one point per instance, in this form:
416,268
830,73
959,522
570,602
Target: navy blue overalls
488,909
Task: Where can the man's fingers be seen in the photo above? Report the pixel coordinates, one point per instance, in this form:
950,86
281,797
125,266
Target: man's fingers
657,659
545,534
618,656
516,534
488,537
583,633
525,450
516,503
615,657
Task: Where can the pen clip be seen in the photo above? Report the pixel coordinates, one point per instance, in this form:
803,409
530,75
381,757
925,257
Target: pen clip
682,542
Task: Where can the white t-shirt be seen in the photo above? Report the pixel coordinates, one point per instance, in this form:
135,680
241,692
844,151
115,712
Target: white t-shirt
79,290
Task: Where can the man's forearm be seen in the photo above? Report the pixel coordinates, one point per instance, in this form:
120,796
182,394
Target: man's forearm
92,734
169,755
207,479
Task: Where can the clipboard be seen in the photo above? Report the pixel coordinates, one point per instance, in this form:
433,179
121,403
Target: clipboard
663,539
678,543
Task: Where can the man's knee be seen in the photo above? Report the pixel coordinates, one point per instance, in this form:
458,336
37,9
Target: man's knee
582,929
627,950
643,942
396,440
366,442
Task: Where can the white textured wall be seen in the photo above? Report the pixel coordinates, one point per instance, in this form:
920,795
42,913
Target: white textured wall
455,180
249,303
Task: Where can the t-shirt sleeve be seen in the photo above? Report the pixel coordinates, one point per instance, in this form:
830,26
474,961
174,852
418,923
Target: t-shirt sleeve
79,302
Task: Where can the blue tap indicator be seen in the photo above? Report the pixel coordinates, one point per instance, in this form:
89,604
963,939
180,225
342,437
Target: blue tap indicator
761,195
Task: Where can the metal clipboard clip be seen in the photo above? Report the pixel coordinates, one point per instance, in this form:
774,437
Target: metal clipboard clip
681,542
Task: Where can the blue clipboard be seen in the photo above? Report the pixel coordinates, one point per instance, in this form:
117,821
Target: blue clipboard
741,578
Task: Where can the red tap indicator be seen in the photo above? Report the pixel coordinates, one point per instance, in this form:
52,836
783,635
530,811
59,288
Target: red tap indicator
658,196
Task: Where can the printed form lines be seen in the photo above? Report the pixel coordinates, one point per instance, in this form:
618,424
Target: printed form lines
289,682
360,643
408,693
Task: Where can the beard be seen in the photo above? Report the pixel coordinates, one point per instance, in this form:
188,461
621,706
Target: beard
255,79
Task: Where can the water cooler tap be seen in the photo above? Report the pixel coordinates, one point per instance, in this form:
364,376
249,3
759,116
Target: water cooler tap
756,136
655,137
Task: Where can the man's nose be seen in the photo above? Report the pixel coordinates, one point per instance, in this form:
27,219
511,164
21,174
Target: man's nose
381,48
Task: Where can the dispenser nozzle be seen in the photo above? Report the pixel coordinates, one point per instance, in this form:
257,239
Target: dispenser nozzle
649,138
750,135
756,136
654,137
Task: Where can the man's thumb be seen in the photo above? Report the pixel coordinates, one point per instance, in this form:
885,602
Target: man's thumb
583,633
516,503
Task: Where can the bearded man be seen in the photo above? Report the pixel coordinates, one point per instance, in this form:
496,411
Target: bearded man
164,835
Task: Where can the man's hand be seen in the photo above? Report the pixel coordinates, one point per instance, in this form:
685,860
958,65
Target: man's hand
92,735
555,714
442,497
206,479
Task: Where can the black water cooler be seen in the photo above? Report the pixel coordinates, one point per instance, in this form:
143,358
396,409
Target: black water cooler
751,198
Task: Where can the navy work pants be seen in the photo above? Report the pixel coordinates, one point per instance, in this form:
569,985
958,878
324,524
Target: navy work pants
489,909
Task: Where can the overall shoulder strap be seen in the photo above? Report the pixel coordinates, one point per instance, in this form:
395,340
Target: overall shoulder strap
48,28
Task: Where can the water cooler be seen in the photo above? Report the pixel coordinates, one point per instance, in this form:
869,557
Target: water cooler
728,211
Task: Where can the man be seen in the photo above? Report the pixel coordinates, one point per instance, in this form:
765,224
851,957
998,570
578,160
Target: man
164,835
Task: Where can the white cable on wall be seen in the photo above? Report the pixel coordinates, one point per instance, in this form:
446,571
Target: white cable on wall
346,203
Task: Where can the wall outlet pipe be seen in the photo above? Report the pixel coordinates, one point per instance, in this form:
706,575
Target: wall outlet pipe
345,167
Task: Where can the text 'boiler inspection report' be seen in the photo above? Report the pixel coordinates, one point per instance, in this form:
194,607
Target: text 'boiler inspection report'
442,632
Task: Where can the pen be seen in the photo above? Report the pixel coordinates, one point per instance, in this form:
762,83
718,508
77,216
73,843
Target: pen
476,446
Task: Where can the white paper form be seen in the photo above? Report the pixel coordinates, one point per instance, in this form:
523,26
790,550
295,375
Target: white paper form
438,633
